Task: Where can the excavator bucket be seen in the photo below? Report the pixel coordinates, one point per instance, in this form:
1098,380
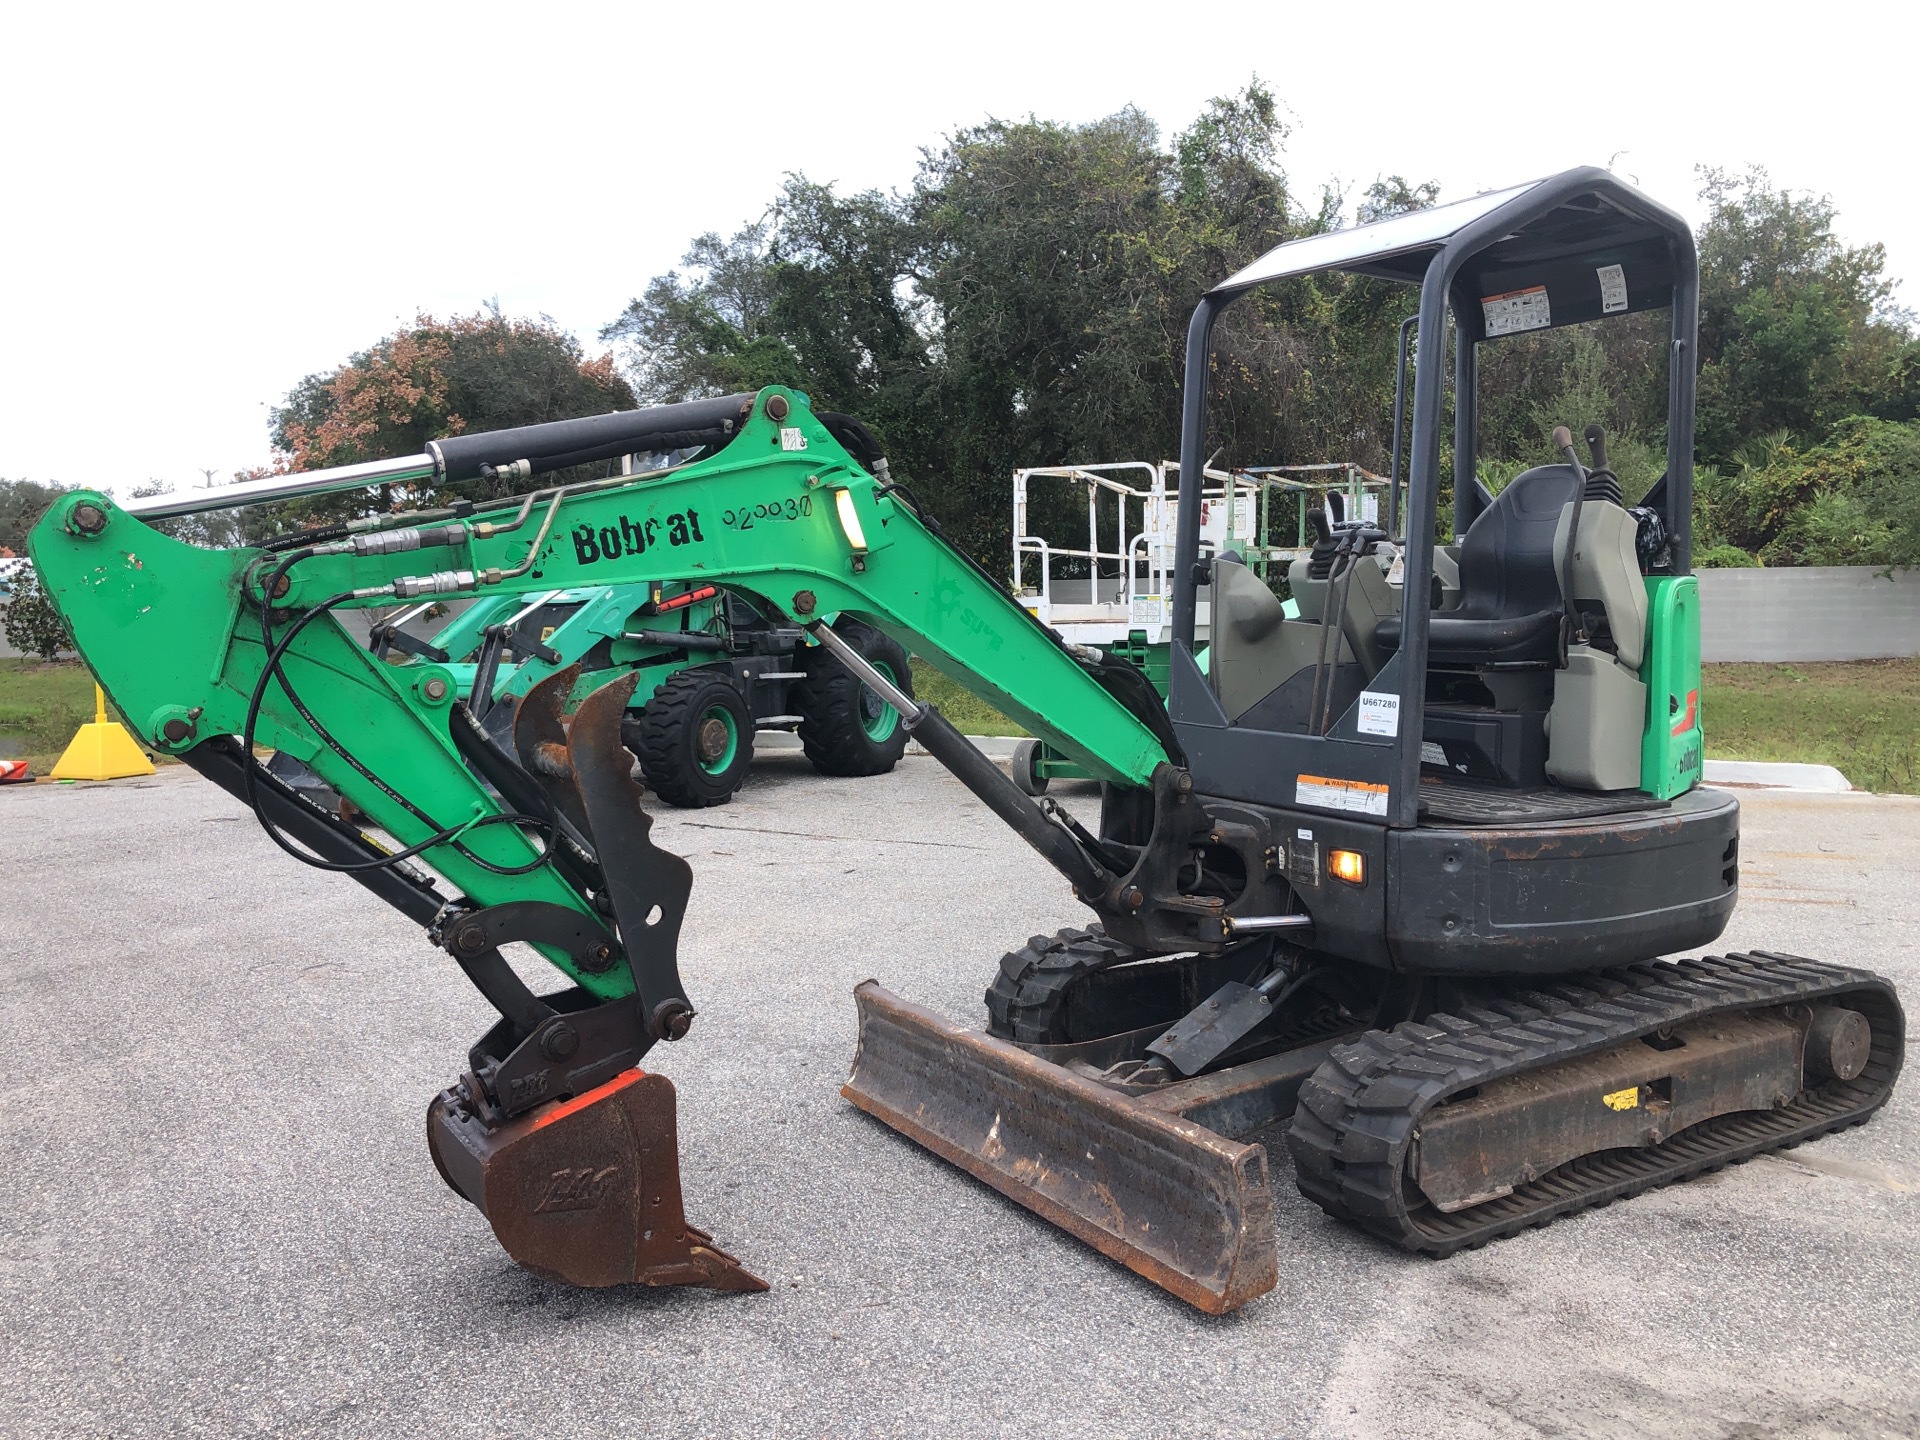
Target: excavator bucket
585,1190
1171,1200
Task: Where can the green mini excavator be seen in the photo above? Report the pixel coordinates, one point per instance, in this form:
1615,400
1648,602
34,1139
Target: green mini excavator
1395,872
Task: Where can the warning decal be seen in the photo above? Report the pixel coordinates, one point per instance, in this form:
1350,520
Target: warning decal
1627,1099
1359,796
1517,310
1613,289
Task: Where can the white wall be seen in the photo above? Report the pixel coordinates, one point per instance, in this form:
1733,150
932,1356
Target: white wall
1813,613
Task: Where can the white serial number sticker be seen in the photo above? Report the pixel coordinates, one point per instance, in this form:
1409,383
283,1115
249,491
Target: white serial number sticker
1379,713
1517,310
1359,796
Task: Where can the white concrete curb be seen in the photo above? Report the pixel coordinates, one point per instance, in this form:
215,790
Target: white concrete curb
1777,775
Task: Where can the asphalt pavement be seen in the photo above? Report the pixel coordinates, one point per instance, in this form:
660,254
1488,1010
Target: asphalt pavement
217,1214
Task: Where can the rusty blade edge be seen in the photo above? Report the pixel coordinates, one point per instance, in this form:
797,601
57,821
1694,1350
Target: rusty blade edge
1249,1262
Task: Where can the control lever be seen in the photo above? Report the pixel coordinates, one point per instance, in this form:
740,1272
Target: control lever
1602,476
1597,443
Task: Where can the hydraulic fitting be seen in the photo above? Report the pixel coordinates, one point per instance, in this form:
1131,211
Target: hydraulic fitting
442,582
411,537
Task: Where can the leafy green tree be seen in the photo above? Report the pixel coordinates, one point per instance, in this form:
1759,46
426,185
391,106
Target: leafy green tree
31,624
813,294
436,378
1392,195
22,503
1610,372
1797,329
1026,303
1046,254
1723,557
1850,499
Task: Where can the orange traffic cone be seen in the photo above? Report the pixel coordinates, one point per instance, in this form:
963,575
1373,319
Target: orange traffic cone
101,749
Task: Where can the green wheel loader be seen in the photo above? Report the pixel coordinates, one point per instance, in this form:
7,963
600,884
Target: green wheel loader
713,674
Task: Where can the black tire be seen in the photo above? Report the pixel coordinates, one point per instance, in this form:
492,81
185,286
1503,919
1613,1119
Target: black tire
1028,1000
845,728
694,739
1026,768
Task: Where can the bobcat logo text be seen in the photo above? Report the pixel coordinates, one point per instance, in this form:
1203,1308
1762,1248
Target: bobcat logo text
577,1189
610,542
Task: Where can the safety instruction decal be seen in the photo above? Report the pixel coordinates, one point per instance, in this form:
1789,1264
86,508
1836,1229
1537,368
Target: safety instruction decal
1627,1099
1517,310
1613,289
792,437
1379,713
1362,797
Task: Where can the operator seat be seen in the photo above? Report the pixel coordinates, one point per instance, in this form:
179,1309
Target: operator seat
1255,648
1510,604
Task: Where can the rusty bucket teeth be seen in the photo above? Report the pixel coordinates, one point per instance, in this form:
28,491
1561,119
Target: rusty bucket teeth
1171,1200
587,1190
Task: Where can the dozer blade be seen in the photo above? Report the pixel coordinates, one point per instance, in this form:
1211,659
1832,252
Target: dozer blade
586,1190
1171,1200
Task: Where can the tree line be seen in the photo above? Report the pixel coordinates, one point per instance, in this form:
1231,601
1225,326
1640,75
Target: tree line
1024,302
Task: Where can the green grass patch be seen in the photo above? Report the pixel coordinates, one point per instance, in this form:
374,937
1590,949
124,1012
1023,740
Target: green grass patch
969,714
41,704
1860,715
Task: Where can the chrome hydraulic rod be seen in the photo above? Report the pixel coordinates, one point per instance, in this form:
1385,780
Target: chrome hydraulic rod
283,487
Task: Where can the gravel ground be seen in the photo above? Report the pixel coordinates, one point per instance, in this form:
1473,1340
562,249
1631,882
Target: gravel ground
217,1215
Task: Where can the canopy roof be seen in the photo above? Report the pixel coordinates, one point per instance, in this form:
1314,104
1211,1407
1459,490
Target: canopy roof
1574,246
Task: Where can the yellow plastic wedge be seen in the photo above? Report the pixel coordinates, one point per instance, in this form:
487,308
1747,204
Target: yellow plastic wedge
101,749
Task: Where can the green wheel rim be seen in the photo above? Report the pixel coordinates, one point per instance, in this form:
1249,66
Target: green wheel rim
716,750
877,717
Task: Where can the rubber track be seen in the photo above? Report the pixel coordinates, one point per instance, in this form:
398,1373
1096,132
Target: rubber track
1025,1001
1351,1133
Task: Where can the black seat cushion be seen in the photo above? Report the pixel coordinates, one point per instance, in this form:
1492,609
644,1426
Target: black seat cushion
1453,639
1510,605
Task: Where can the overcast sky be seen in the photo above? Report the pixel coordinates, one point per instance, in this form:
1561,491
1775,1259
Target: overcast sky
204,204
